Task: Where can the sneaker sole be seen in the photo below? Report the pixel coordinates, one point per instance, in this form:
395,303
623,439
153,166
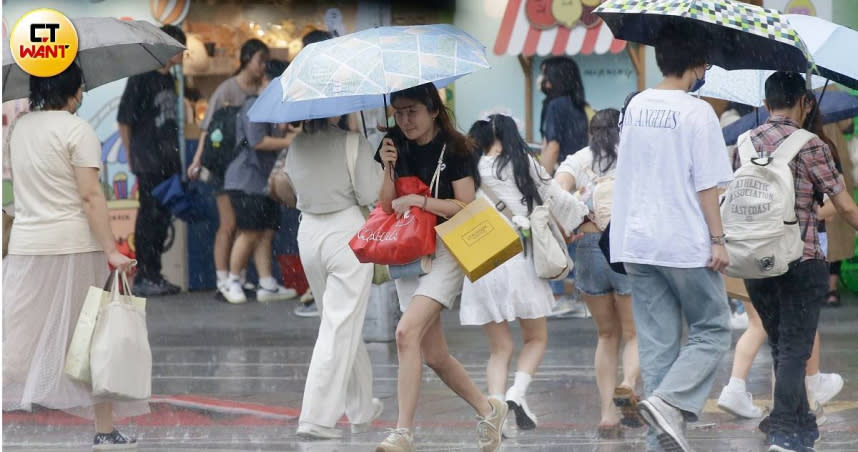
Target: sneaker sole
738,414
666,438
624,400
115,447
522,420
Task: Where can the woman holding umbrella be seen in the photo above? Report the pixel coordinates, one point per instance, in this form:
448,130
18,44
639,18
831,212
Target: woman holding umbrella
62,230
425,143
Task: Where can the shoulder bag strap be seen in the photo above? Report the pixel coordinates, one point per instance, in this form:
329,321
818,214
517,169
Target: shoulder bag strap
496,202
433,184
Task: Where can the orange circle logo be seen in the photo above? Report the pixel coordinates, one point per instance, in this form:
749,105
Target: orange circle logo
44,42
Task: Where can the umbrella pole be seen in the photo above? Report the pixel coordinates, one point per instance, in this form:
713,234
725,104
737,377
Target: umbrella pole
363,121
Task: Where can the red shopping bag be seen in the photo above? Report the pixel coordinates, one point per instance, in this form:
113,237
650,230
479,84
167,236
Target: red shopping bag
388,240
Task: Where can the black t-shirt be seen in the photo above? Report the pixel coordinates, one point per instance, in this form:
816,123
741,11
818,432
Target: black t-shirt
149,105
565,123
422,160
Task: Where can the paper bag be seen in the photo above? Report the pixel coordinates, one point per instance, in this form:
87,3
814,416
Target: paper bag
479,238
77,358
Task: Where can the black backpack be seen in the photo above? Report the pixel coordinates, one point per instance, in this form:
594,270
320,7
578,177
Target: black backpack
217,155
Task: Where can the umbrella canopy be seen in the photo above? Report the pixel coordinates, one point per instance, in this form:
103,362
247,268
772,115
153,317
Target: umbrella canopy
354,72
109,49
834,105
830,45
745,86
743,36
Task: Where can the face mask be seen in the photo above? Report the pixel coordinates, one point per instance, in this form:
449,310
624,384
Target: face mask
698,83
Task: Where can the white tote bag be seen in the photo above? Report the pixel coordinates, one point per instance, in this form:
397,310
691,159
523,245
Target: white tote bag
120,356
77,358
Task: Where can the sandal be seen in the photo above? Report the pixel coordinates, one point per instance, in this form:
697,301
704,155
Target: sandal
627,401
610,431
832,299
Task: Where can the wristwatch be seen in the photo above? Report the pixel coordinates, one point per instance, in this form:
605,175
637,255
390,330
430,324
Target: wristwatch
719,240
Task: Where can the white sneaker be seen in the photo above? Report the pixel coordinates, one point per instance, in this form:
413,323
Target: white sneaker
398,440
739,321
510,430
564,305
739,403
280,293
312,431
234,293
824,387
364,427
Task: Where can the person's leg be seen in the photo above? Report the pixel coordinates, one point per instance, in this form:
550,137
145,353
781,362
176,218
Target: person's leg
702,295
449,369
243,247
421,312
812,367
803,293
103,417
262,254
146,231
500,354
631,360
609,330
332,370
534,334
225,233
735,398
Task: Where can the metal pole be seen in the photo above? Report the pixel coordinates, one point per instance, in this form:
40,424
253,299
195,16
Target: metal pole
180,118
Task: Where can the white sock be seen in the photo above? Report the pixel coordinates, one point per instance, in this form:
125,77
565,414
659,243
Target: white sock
233,278
268,283
520,383
222,275
243,276
736,384
813,379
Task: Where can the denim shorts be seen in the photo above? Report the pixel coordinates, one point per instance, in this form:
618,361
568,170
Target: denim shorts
593,274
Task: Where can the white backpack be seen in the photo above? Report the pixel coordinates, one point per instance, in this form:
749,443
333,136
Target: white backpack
758,211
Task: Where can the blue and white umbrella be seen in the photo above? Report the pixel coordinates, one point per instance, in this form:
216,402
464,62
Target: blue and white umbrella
356,71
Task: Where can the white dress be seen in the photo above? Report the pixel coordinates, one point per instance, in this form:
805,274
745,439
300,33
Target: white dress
512,290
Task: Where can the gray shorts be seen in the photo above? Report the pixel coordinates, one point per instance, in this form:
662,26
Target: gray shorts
593,275
443,283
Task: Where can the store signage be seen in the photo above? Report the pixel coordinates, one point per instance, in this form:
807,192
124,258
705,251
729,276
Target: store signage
547,14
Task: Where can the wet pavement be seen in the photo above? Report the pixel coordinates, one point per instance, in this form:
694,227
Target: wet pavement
230,378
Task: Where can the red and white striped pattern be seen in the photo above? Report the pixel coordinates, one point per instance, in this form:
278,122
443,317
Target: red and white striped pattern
517,37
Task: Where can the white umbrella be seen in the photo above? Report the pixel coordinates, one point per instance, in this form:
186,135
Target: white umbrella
109,49
745,86
832,46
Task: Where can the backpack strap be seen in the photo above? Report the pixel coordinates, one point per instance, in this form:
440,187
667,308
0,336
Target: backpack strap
746,149
791,146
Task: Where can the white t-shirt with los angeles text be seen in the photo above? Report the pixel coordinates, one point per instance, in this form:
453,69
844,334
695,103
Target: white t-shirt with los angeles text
671,148
45,148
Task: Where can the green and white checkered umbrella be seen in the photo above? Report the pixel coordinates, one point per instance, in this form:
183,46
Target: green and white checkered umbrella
742,36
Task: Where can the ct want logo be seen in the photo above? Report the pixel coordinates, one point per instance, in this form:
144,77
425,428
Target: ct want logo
44,42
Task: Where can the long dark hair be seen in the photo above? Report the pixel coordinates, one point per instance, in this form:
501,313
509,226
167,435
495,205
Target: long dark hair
604,137
427,95
53,93
565,79
814,123
248,49
515,151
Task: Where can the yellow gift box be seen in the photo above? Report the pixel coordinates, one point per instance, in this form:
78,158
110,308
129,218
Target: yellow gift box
480,238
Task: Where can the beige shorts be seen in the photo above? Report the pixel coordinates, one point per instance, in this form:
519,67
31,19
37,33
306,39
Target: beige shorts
443,283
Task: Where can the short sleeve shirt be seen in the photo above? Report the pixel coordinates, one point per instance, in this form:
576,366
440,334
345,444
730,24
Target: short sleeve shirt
149,105
228,93
813,171
671,148
250,169
422,160
566,124
46,147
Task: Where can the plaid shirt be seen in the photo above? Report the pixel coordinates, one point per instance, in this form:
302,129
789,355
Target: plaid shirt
813,170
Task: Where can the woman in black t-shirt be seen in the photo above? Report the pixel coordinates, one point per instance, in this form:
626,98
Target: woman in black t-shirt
424,131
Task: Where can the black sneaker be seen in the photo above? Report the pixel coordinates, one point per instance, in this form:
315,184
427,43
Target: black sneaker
171,289
113,441
148,288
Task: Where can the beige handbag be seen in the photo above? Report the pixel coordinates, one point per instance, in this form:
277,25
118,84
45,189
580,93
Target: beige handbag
77,357
120,357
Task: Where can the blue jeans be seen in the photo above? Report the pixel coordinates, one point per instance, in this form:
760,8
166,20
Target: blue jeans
681,375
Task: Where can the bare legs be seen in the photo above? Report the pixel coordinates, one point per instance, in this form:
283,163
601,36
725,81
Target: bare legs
419,336
103,417
501,347
225,232
614,321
